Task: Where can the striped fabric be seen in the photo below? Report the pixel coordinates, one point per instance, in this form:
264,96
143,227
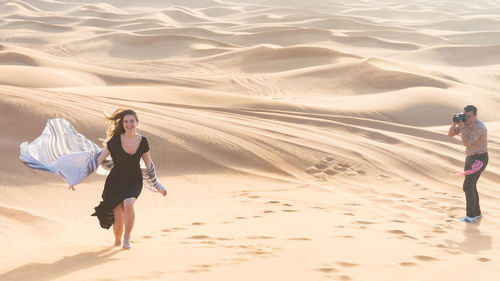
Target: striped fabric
150,180
62,150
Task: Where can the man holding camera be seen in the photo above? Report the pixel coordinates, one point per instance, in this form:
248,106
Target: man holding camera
475,139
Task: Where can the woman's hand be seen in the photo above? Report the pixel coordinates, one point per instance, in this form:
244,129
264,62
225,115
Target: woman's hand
104,153
164,192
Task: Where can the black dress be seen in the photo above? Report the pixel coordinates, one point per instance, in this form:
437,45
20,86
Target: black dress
124,180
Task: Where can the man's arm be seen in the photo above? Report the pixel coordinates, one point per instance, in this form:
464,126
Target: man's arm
454,130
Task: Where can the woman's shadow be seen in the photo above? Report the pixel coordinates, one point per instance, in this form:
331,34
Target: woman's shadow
66,265
474,241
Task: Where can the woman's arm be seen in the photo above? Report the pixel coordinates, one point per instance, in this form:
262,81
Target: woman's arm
102,156
146,156
147,160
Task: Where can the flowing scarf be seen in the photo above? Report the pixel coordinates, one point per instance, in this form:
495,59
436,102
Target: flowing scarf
476,166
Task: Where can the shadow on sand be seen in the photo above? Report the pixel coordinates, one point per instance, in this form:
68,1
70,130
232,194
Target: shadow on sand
66,265
474,241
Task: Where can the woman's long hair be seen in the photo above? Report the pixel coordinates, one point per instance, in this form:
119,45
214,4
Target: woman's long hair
115,122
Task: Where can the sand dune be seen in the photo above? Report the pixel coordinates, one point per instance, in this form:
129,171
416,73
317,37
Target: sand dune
133,46
474,24
298,140
36,25
400,13
460,56
478,38
354,78
269,58
409,36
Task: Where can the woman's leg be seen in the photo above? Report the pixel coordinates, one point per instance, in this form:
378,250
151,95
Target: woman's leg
128,208
118,226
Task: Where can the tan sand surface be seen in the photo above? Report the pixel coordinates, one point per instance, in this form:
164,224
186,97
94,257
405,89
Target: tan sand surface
298,140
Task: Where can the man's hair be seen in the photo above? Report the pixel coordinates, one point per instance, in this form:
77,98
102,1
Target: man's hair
471,108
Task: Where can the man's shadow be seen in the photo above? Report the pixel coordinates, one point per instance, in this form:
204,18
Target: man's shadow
66,265
474,241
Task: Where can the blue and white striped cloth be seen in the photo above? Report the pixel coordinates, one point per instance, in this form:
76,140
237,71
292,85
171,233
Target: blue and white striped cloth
62,150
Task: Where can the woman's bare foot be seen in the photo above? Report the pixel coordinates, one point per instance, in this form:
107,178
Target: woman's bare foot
126,244
118,243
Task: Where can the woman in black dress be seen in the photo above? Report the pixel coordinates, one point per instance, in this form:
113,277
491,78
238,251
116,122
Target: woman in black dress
124,182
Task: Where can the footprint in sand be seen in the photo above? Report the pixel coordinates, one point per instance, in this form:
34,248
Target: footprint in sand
290,211
254,251
197,223
173,229
299,239
223,239
147,236
396,231
321,165
327,270
347,264
483,259
197,268
364,222
257,237
402,234
409,237
198,237
438,229
330,172
425,258
328,167
353,204
312,170
246,194
407,264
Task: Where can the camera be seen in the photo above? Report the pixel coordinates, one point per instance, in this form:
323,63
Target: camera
459,116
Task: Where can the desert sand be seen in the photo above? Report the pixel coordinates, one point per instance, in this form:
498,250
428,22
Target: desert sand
298,140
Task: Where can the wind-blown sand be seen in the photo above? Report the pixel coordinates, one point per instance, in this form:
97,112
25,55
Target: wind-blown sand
298,140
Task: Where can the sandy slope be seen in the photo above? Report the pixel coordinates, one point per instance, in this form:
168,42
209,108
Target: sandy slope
298,140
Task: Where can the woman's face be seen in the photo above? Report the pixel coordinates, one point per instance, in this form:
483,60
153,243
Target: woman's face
129,123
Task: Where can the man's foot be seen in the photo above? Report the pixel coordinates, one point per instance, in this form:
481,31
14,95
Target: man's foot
126,244
478,217
468,219
118,243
